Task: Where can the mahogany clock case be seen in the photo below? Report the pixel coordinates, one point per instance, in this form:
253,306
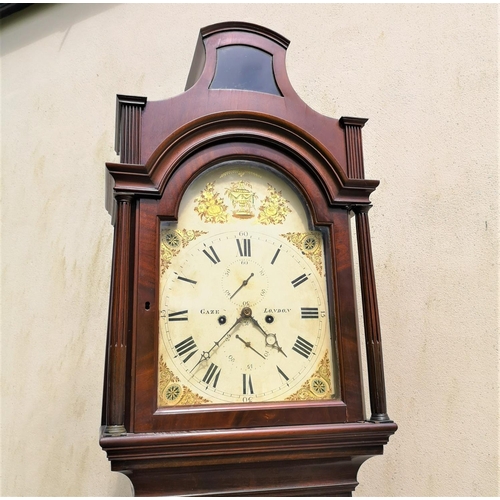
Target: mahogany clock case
165,146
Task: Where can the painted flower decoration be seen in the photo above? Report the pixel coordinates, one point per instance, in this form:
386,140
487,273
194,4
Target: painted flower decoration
274,208
211,207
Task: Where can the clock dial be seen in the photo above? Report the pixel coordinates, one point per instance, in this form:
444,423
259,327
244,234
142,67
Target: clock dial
243,299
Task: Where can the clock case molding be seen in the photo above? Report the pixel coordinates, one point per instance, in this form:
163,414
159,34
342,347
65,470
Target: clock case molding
288,448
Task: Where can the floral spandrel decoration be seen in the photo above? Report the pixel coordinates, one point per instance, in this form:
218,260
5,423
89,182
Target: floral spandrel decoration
274,209
310,245
210,205
171,392
317,387
172,240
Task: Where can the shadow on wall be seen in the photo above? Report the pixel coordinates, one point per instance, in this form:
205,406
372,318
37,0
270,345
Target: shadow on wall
40,20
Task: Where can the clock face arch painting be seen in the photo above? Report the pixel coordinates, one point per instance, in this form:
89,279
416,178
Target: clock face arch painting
244,313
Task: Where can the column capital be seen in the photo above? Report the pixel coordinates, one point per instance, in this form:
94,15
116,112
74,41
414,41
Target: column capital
124,197
352,121
361,209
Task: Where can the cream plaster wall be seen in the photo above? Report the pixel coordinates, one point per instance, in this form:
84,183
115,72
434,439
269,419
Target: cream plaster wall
425,75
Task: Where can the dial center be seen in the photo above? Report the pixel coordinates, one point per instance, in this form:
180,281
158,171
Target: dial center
246,312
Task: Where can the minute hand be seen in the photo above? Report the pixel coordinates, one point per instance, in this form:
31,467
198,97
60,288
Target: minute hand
271,339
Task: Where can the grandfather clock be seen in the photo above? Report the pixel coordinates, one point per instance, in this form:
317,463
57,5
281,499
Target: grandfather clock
233,361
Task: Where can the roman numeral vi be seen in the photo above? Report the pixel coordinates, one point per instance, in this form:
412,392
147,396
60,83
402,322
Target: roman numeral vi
247,384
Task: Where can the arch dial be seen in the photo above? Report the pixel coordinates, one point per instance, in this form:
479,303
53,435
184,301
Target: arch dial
243,298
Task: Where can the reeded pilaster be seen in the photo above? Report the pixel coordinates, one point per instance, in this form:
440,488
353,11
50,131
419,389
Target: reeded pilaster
373,338
119,320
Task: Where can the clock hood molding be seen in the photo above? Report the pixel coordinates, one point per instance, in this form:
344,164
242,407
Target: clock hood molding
250,128
154,138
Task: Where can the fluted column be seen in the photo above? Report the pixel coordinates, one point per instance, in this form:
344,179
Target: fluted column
128,127
354,146
378,403
119,320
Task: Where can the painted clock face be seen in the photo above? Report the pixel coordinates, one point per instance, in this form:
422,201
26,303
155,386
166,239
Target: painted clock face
244,313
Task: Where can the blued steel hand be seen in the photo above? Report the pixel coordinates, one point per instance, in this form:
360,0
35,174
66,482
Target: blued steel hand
206,354
247,344
245,283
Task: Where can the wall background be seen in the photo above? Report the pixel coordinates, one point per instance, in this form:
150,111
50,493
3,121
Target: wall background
427,78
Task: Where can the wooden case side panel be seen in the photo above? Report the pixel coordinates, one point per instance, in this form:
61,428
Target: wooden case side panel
145,326
347,325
